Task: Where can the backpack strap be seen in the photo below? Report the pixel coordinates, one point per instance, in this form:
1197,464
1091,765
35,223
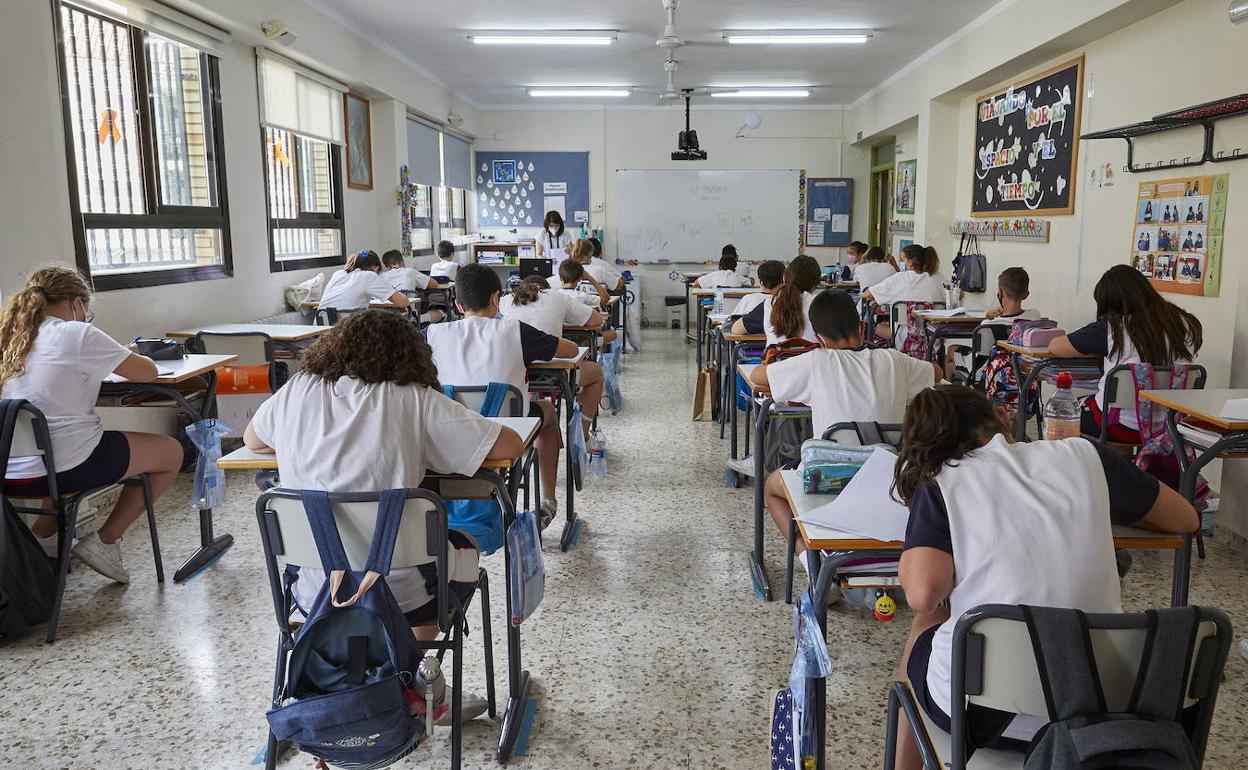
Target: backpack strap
495,395
869,433
328,542
1159,684
380,552
9,409
449,391
1064,659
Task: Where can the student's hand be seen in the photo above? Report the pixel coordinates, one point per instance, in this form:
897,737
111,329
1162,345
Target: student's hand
994,313
253,442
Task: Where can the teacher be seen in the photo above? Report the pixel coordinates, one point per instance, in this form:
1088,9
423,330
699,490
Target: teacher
554,241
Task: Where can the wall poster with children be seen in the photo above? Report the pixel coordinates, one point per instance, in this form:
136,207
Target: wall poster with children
1177,238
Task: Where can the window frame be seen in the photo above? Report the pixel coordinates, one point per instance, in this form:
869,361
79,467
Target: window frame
452,223
430,224
305,219
160,215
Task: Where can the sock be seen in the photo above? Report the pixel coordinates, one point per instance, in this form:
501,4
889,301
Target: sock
552,504
801,559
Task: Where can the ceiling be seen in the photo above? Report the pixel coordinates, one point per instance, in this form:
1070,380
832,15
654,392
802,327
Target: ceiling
433,34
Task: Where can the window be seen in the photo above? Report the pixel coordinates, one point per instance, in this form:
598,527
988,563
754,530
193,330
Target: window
304,200
452,221
147,188
439,173
421,226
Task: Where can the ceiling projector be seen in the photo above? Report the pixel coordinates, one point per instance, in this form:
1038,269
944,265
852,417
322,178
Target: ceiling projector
687,141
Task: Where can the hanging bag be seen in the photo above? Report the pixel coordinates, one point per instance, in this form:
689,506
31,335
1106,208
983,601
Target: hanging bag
482,519
527,568
27,581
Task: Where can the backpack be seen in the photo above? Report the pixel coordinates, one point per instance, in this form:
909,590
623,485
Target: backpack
996,378
786,349
344,697
480,518
1082,734
970,267
27,581
914,344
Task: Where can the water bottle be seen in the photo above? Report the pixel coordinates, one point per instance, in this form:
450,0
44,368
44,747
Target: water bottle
597,454
1061,412
432,685
719,299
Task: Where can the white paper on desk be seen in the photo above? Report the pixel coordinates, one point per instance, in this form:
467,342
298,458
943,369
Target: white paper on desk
864,507
957,311
1235,409
165,370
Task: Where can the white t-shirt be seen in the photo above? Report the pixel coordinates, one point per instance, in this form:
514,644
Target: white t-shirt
354,290
406,279
909,286
550,312
868,274
445,268
604,273
589,299
344,436
749,302
807,333
64,370
727,279
478,351
850,385
555,246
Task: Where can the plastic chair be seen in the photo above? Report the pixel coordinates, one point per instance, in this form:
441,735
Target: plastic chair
422,540
32,439
982,341
994,666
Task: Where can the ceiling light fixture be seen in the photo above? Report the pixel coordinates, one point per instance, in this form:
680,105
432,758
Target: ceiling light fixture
797,36
758,93
560,37
555,91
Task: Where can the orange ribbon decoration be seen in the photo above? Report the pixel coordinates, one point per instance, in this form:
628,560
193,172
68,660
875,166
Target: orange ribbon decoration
110,125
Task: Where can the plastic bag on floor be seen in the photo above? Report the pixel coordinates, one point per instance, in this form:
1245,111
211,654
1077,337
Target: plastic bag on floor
527,569
209,488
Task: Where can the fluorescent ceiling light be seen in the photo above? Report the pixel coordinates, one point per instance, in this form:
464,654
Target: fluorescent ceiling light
556,91
561,37
796,36
761,93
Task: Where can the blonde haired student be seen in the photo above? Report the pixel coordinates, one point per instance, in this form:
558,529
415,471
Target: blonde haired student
51,356
840,382
481,348
358,283
602,270
783,315
920,281
872,268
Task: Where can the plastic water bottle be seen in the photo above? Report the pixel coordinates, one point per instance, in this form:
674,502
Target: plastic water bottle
719,299
1061,412
597,454
430,683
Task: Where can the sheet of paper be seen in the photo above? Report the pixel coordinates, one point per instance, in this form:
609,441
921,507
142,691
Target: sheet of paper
839,223
554,188
865,508
946,313
1235,409
823,215
814,233
165,369
554,203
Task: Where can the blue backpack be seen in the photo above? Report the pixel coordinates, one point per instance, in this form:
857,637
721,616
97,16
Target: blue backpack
344,699
480,518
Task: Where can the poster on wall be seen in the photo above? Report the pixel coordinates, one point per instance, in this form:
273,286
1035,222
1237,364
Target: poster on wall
1027,144
514,188
1176,240
906,178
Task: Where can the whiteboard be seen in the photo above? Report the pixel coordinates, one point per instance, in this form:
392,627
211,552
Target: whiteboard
687,215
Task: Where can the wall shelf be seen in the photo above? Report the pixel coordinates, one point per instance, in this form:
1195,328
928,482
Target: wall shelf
1204,115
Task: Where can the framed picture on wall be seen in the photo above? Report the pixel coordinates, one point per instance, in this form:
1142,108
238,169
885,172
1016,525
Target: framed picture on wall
906,180
359,141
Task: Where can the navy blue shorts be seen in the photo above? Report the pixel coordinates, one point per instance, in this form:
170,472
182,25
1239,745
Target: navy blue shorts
107,464
916,672
983,725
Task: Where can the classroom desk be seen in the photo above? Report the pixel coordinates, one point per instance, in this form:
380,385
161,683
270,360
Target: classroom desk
827,551
725,384
765,413
587,334
174,373
937,328
372,305
505,492
704,311
689,279
1037,361
276,332
1215,437
558,375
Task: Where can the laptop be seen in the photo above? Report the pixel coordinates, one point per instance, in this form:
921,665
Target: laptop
543,268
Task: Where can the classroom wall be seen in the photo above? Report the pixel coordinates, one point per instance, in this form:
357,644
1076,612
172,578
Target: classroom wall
34,197
1120,41
645,138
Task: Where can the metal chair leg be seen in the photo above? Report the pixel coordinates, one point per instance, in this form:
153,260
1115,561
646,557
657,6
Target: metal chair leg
457,697
65,526
788,564
149,503
487,638
1200,543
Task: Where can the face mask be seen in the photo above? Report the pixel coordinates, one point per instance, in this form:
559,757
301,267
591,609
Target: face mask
86,317
1000,300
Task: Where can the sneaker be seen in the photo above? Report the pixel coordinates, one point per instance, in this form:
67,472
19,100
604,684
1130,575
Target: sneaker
104,558
743,466
546,514
473,706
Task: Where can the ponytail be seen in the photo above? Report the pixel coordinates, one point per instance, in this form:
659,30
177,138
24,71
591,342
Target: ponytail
582,251
25,311
363,260
528,290
788,318
931,260
922,259
942,424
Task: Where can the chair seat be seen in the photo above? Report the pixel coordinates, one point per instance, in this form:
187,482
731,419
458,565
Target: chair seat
982,759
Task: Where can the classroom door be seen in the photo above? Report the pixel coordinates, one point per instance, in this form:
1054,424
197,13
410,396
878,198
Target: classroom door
881,206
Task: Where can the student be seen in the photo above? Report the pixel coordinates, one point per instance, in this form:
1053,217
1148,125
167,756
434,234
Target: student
446,266
854,253
920,281
872,268
726,276
1013,288
554,241
582,253
481,348
840,382
783,315
405,279
602,270
1133,324
51,356
770,277
568,281
549,310
360,281
988,526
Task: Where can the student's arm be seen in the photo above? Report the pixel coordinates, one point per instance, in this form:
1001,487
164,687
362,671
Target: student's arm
1170,513
751,322
537,345
595,320
1090,341
253,442
759,375
137,368
566,349
400,299
738,326
508,446
1138,499
1062,347
603,296
926,576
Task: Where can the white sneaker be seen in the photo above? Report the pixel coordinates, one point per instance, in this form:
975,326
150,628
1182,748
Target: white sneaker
743,466
104,558
473,706
48,544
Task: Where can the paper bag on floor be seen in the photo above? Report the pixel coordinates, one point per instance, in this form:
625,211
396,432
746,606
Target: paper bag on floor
704,396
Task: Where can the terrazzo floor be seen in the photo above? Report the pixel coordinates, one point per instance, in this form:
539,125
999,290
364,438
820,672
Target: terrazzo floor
650,650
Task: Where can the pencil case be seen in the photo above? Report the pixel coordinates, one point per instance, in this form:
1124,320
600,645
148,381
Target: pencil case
828,466
1040,338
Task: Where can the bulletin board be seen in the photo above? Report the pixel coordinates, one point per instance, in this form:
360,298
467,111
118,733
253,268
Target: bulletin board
1027,145
829,211
1176,239
516,189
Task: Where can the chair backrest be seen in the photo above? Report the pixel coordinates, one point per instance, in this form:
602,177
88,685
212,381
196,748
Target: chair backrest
994,663
864,433
982,340
252,348
898,316
473,396
329,316
31,438
1120,385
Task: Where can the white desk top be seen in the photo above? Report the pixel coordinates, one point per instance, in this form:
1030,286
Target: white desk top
562,363
172,372
741,292
1204,405
279,332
